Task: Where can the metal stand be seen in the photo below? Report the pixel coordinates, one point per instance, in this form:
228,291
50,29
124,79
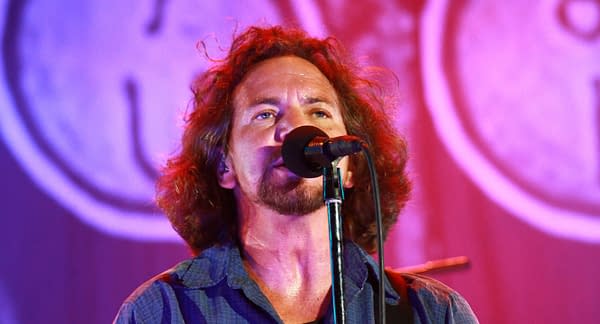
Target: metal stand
333,194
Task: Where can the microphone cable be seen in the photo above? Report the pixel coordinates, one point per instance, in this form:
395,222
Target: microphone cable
379,224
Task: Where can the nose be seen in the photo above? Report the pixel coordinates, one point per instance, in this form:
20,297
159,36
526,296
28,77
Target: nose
289,120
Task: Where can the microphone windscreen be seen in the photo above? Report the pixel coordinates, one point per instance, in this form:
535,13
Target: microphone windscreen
293,148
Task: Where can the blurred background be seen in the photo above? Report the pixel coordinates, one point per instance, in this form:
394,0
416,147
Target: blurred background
500,103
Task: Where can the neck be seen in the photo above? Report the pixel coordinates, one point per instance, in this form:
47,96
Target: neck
289,258
283,243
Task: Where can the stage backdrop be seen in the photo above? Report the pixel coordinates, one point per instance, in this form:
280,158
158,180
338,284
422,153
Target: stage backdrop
500,102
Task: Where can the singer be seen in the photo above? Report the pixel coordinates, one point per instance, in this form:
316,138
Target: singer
258,231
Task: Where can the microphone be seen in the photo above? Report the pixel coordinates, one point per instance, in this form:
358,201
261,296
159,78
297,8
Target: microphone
307,149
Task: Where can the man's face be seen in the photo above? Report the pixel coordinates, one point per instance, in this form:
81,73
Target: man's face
275,97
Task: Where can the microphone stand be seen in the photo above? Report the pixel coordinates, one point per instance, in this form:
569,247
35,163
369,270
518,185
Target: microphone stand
333,194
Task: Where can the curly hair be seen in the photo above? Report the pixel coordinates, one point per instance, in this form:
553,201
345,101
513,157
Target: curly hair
204,213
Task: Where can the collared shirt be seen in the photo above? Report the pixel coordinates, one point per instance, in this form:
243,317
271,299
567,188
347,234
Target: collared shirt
215,288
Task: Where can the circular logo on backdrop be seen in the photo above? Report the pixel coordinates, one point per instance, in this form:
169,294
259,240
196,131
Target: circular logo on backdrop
514,90
93,94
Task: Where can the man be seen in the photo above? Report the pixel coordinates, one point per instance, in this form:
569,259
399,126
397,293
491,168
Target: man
260,232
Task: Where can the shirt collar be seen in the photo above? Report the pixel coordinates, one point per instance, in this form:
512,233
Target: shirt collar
219,262
205,270
358,267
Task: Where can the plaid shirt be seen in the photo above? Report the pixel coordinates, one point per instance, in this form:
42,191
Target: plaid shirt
215,288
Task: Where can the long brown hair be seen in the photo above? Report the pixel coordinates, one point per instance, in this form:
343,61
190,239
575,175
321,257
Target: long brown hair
204,214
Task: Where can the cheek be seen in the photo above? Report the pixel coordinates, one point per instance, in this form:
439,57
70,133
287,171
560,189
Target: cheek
247,160
335,130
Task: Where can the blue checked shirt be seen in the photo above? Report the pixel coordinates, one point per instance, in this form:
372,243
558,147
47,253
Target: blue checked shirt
215,288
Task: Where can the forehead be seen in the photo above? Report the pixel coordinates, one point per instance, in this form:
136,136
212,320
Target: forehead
284,71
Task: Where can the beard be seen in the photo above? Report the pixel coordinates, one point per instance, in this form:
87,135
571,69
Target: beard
290,195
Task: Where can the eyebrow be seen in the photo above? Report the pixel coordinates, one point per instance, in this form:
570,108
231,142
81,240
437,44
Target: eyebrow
310,100
276,101
265,100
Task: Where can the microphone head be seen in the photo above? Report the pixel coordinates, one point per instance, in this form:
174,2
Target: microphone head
292,151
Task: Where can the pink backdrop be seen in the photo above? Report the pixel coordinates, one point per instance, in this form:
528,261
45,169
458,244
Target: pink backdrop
500,102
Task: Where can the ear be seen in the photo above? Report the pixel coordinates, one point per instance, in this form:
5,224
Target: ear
226,174
348,180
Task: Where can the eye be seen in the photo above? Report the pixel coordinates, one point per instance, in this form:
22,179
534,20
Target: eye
264,115
321,114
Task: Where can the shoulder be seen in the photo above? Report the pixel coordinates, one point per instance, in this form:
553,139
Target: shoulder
153,298
431,300
147,302
429,287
